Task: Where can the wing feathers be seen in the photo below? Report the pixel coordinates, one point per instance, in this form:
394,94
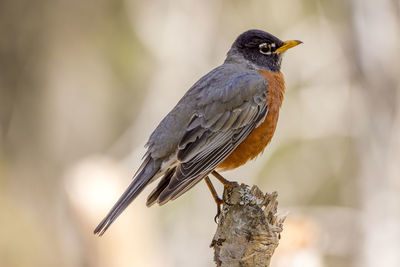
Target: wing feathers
224,118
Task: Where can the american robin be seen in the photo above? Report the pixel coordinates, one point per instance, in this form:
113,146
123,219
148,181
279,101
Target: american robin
224,120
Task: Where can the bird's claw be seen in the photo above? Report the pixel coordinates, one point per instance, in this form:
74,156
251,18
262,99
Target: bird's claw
216,218
219,202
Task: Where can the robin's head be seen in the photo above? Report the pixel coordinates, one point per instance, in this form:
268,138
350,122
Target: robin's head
261,49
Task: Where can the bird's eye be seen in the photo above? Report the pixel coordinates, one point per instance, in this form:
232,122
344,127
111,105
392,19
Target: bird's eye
265,48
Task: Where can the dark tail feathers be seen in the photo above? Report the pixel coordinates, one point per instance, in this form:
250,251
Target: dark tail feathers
148,171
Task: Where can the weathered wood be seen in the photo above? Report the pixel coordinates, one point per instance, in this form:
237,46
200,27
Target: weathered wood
248,228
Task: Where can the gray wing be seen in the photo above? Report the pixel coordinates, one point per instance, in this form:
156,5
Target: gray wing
225,113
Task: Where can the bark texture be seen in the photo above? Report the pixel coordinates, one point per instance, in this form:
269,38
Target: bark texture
248,228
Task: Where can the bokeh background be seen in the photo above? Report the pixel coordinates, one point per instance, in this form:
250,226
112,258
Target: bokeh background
83,84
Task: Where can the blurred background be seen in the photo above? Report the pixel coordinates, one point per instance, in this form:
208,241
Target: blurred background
84,83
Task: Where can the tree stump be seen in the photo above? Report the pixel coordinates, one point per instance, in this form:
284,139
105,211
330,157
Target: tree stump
248,228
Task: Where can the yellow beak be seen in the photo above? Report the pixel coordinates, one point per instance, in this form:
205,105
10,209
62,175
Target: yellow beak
288,44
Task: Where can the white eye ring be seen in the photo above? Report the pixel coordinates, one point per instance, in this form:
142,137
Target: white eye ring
265,45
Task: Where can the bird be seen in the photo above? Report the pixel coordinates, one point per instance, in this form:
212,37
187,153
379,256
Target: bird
224,120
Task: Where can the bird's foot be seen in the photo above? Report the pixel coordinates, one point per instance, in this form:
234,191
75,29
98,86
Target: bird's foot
216,198
224,181
228,186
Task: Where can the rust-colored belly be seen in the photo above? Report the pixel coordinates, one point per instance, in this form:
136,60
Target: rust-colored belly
259,138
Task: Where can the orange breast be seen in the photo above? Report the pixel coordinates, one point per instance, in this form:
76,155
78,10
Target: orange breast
259,138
